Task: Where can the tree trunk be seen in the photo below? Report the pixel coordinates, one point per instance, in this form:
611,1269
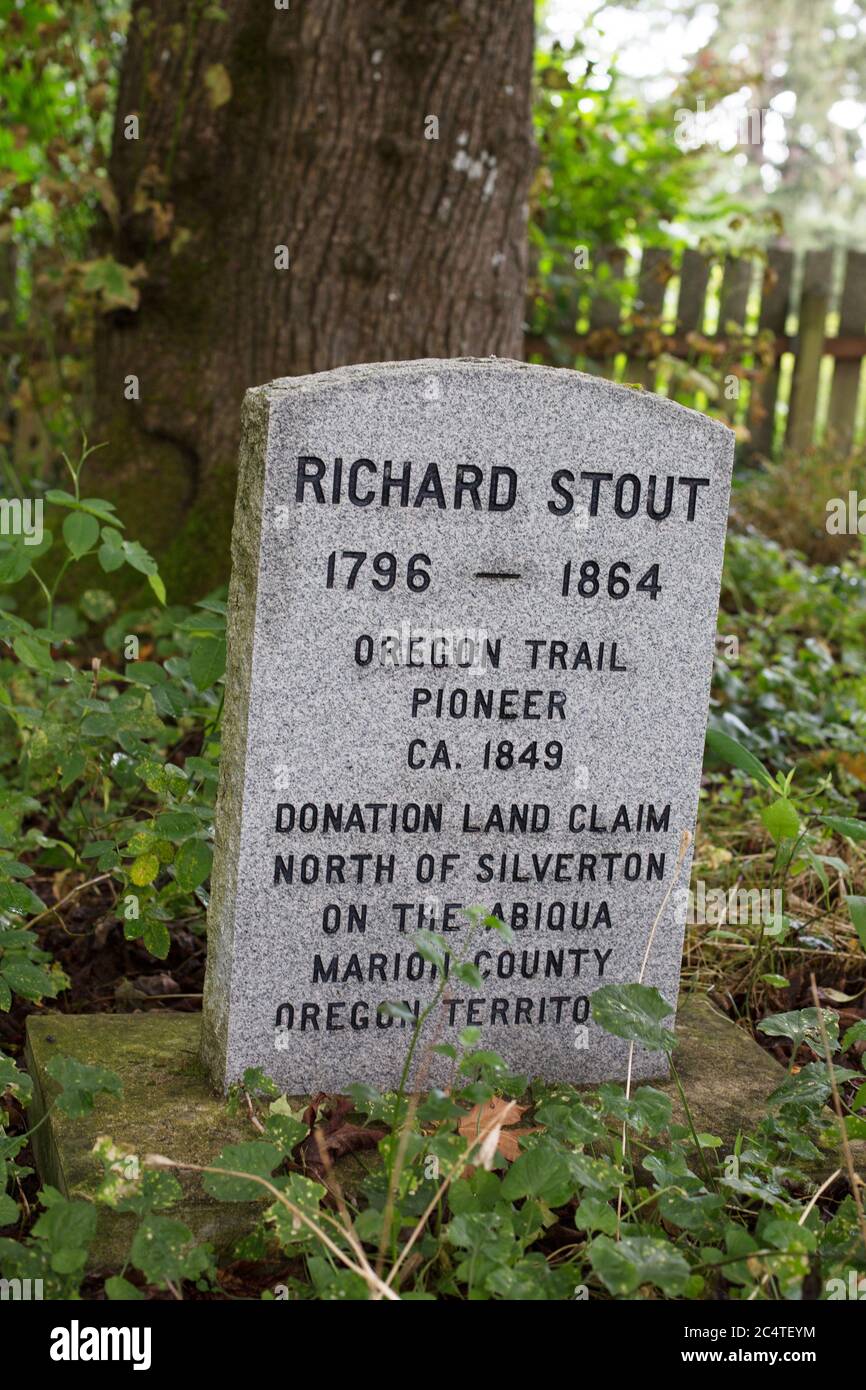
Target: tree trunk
311,128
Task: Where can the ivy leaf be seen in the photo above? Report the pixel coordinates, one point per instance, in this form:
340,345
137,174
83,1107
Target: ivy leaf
810,1085
81,1085
803,1026
541,1172
66,1228
303,1193
119,1290
256,1156
648,1109
623,1267
80,532
634,1012
286,1131
165,1251
595,1214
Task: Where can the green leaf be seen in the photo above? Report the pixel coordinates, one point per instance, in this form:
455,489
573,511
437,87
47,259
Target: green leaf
781,819
727,750
810,1086
803,1026
193,863
96,605
35,654
146,673
303,1193
648,1109
15,562
72,770
100,508
16,1082
158,587
541,1172
635,1260
115,284
135,555
81,1084
9,1211
846,825
857,912
156,937
634,1012
165,1251
207,662
120,1290
177,825
144,870
256,1156
80,532
110,553
29,980
18,898
594,1214
65,1229
285,1131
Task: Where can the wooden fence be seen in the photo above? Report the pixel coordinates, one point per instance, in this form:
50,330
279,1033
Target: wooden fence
776,342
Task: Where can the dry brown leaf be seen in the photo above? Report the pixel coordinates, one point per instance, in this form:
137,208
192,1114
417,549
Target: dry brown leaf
480,1116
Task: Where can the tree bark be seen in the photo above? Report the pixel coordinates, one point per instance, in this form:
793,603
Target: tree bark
310,128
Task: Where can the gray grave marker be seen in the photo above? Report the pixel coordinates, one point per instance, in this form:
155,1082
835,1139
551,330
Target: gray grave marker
471,633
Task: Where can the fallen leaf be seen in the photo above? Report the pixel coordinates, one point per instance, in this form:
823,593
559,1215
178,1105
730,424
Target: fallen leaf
326,1116
506,1112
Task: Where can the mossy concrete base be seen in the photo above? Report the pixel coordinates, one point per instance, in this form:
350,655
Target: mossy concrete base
169,1107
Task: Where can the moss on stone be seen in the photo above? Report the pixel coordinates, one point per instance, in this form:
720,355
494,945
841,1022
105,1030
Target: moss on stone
169,1106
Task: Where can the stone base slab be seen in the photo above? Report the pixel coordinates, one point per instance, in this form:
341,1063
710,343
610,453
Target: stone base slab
169,1107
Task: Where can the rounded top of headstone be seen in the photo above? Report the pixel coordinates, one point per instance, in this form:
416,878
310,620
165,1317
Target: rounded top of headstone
556,382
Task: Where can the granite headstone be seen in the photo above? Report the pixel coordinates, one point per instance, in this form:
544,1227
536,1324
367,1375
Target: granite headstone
471,629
